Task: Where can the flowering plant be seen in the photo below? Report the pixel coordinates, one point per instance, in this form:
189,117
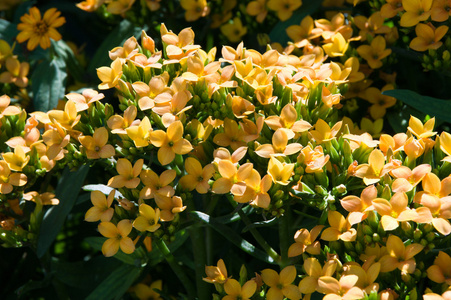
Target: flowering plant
239,175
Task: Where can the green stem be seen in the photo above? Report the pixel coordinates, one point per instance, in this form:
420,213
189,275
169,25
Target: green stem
284,238
260,240
176,268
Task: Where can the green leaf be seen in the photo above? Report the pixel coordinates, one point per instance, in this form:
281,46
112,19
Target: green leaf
115,285
67,191
233,237
117,37
434,107
279,34
155,256
133,259
8,31
260,224
48,84
66,53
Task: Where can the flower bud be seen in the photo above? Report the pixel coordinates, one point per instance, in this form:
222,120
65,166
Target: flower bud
417,234
243,274
376,238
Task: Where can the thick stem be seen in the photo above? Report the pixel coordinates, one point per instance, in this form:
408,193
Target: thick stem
176,268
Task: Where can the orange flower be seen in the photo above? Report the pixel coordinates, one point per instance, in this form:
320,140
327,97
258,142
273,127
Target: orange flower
374,53
148,219
284,8
416,11
194,9
197,177
374,169
234,31
343,289
16,72
399,256
8,180
428,37
394,211
359,208
170,143
96,146
256,190
128,175
288,119
216,274
305,242
279,146
312,267
102,209
440,11
440,271
237,292
280,172
257,8
117,237
39,31
407,179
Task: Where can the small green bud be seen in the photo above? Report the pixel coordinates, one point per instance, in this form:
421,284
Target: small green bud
446,55
417,234
376,237
367,230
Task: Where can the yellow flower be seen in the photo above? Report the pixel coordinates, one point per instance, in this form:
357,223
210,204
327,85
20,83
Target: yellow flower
391,8
445,145
380,102
323,132
119,7
416,11
340,228
374,53
42,199
7,180
117,237
67,118
39,31
359,208
170,143
119,124
421,131
140,134
337,47
169,207
96,146
399,256
232,136
232,179
237,292
280,285
374,169
128,175
197,177
194,9
145,292
288,119
371,26
234,31
216,274
17,160
303,33
102,209
280,172
428,37
110,76
148,218
284,8
280,145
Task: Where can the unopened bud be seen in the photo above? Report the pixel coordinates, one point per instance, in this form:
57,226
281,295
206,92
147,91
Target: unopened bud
446,55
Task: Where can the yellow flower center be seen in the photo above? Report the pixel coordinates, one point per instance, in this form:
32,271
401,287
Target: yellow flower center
41,28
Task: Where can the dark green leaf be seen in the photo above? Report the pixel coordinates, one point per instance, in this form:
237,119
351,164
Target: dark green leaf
117,37
155,256
233,237
66,53
48,84
67,191
434,107
115,285
8,31
279,34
